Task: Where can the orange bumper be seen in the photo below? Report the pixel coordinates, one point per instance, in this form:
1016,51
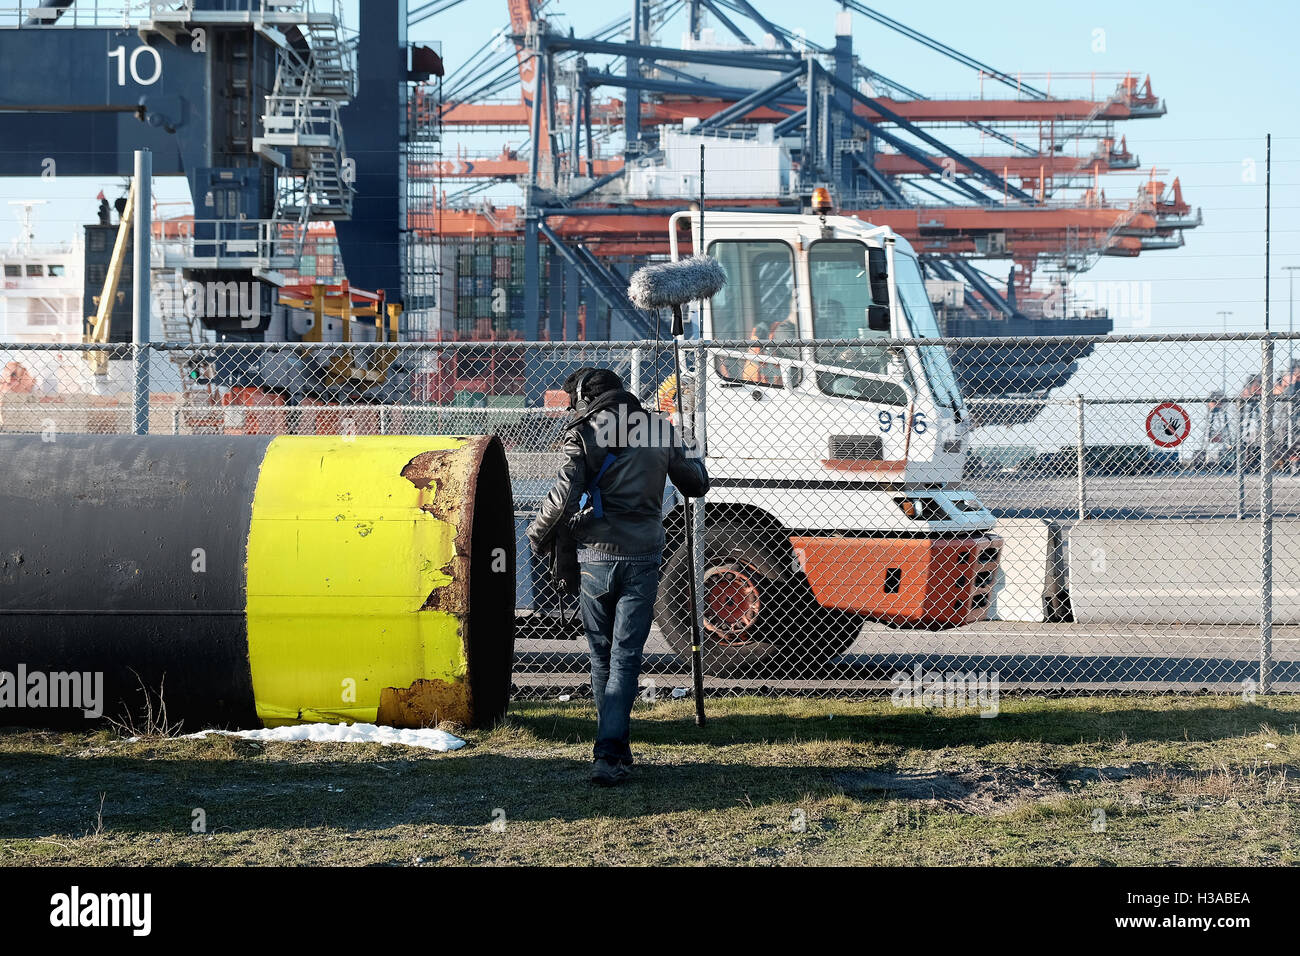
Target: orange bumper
919,581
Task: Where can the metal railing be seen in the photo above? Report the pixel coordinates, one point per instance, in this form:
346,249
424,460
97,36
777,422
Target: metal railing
260,245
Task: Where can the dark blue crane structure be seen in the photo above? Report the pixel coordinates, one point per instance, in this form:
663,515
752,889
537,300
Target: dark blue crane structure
248,101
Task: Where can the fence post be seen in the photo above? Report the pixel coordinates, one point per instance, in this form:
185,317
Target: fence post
1240,446
634,373
383,419
699,428
1266,517
1080,458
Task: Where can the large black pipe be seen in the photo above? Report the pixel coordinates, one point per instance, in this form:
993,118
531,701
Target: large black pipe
254,580
101,535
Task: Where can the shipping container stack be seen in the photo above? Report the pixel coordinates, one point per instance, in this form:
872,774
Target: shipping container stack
319,260
489,289
487,301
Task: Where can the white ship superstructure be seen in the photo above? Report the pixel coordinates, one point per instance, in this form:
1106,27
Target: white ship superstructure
41,287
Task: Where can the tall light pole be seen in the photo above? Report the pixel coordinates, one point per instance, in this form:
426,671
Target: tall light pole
1224,316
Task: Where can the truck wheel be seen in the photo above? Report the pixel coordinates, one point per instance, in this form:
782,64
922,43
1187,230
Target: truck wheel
755,623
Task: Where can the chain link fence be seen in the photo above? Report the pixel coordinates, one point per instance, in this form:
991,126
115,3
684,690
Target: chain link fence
1111,514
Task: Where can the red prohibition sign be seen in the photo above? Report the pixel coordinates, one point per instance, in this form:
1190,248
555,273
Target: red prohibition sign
1168,425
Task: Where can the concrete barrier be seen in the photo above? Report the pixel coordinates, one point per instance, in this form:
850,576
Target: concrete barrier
1030,585
1170,571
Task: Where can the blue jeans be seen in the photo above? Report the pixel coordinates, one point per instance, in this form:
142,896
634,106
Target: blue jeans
617,601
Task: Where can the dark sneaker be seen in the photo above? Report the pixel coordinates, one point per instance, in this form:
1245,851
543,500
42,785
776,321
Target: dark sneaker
607,773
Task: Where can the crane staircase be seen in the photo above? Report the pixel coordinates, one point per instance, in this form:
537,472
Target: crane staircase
301,130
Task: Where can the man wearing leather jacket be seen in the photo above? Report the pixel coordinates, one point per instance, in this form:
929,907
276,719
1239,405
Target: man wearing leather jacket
620,535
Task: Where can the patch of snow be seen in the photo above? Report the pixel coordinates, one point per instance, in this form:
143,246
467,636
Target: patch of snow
429,738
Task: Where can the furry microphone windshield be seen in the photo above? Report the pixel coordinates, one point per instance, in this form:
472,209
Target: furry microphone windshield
676,283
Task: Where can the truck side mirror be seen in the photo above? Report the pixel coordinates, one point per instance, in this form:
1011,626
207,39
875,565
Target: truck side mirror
878,318
878,274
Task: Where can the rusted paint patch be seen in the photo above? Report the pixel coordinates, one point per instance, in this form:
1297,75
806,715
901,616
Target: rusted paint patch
426,703
442,477
447,480
452,597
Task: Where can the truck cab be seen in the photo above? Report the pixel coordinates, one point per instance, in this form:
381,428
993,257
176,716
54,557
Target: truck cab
835,450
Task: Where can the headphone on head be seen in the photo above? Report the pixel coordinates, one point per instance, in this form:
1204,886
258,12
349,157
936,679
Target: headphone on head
579,399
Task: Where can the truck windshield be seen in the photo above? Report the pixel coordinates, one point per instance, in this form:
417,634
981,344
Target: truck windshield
841,293
915,300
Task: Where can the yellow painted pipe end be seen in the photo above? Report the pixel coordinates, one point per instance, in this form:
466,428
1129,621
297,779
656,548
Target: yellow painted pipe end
380,580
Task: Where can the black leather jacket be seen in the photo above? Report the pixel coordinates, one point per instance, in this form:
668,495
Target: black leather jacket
632,488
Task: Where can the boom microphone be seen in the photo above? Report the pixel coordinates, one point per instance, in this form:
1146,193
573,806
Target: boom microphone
671,285
676,283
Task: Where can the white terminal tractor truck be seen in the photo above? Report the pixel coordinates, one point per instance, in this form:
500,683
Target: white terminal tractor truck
836,468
